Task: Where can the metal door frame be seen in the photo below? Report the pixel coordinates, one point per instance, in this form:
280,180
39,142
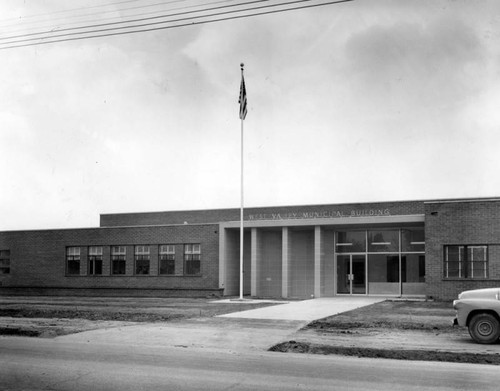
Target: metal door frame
351,275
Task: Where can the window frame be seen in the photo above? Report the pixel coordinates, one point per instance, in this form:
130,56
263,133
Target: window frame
166,254
4,262
142,254
73,256
117,258
466,262
95,258
192,256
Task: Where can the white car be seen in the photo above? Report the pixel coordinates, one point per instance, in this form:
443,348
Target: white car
479,310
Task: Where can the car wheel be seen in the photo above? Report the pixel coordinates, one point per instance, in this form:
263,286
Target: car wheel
484,328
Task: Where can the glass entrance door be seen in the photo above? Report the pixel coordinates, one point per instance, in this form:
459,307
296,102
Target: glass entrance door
351,274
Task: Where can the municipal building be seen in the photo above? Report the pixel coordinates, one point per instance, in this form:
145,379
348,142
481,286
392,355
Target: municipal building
433,249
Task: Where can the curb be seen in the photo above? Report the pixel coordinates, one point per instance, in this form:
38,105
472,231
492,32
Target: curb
414,355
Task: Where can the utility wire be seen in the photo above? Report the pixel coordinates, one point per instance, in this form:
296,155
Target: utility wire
103,33
101,13
148,18
71,10
52,29
107,30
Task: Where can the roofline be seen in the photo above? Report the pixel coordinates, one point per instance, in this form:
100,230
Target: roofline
106,227
262,207
454,201
424,201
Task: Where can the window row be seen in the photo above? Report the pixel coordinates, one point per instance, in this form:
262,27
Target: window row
465,261
4,261
381,240
191,260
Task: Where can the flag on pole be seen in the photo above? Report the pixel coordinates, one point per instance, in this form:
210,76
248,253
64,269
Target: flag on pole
243,97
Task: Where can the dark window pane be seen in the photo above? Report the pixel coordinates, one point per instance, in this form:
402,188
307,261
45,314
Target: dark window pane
73,266
98,266
192,267
142,266
167,266
118,267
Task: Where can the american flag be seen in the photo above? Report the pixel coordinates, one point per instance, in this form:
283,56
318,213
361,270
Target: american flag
243,99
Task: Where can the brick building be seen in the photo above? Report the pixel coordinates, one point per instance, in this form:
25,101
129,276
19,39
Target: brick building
408,248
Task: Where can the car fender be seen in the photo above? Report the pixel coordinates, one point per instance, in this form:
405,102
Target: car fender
466,308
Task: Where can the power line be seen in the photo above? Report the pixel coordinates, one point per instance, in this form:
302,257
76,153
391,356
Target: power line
124,10
71,10
112,31
52,29
108,32
104,12
144,19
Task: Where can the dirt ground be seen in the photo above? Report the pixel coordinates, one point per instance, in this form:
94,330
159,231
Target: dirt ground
420,330
49,316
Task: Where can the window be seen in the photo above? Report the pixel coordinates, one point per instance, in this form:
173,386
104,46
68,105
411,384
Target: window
383,274
142,257
350,242
95,261
383,241
118,259
73,261
466,261
413,240
192,257
4,261
167,259
412,268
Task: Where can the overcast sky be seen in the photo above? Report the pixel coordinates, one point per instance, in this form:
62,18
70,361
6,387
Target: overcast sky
371,100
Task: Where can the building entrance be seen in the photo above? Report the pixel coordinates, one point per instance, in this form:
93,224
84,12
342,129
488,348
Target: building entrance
351,274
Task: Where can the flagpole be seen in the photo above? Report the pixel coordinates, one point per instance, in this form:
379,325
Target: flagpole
242,201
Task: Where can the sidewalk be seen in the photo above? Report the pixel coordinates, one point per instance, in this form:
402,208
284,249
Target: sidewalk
306,310
256,330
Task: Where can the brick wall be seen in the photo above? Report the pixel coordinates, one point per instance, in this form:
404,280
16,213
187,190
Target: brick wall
460,223
38,258
222,215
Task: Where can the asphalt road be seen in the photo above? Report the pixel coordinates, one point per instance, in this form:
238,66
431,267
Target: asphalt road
52,364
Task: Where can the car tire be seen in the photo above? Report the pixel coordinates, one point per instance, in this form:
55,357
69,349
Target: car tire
484,328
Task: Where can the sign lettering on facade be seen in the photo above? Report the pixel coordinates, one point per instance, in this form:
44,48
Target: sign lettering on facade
327,214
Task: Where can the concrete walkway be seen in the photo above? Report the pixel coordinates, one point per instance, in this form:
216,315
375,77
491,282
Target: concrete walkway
252,330
307,310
